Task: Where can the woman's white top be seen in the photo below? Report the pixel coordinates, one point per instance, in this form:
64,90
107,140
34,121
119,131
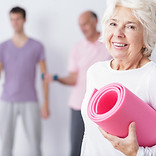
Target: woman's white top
141,81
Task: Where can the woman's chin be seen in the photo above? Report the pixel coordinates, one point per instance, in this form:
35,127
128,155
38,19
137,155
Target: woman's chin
118,56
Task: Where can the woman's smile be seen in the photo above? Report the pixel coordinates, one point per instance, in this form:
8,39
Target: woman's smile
120,45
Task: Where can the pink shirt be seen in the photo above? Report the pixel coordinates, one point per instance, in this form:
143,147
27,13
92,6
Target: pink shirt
83,55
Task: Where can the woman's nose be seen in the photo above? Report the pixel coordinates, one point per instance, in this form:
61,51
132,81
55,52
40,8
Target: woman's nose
119,32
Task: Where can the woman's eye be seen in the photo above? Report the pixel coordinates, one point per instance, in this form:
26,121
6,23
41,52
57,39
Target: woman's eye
131,27
112,24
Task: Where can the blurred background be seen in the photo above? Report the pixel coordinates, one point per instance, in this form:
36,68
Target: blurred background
55,24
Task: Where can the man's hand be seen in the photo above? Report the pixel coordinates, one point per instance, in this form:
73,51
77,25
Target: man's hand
129,145
45,111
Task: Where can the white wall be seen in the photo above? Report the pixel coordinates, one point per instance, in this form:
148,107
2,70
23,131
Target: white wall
54,23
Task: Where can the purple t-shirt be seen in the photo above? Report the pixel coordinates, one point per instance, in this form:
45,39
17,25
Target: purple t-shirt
19,65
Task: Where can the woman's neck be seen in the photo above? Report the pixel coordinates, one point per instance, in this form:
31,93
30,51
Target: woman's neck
126,64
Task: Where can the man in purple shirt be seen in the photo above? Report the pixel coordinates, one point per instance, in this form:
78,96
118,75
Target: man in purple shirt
18,58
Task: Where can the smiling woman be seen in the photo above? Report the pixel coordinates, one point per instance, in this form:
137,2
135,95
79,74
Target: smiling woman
129,29
124,37
143,12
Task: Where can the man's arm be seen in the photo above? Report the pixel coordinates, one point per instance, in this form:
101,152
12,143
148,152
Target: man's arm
45,108
71,79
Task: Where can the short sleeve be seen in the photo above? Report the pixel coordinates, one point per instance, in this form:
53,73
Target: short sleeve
73,59
41,53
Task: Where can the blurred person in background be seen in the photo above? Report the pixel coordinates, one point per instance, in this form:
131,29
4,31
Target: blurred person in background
83,55
18,59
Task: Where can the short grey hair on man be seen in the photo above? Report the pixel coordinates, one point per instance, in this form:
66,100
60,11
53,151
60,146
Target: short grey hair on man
144,11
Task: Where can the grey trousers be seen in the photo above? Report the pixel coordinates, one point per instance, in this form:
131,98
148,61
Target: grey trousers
30,114
77,132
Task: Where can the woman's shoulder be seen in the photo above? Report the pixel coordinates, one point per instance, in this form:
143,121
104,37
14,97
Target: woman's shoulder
148,67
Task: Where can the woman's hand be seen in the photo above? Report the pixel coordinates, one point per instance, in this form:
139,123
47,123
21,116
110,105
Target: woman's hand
129,145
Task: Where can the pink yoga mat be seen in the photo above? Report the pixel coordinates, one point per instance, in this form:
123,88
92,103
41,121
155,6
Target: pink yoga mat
114,107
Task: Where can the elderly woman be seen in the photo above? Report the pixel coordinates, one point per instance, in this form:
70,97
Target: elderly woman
129,31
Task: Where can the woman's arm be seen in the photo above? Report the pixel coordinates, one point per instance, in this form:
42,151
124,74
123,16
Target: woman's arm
129,145
150,151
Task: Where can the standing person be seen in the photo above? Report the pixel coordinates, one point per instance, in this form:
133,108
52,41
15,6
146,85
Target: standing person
84,54
18,58
130,39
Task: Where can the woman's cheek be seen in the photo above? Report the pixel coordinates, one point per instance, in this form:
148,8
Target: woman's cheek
108,40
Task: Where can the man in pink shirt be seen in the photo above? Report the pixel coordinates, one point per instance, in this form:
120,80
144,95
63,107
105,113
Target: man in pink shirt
83,55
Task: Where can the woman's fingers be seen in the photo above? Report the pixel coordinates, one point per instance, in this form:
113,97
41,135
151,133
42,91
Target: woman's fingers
127,145
132,130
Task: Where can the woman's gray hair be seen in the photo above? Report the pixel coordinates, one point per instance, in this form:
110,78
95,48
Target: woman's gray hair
144,11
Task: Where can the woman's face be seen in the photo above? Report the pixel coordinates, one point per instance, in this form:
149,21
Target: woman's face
124,35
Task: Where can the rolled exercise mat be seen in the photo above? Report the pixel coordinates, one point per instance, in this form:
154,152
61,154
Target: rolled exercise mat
114,107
